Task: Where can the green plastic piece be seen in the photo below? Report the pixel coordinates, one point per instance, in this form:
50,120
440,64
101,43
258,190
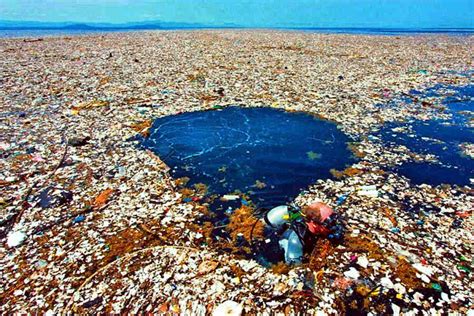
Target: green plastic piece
436,286
464,268
463,258
295,216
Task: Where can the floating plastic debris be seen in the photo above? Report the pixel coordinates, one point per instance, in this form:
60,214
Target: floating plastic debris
15,239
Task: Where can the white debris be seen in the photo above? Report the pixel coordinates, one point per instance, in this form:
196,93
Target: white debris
15,239
352,273
363,261
18,293
445,297
424,269
230,308
399,288
424,278
230,197
396,309
417,297
386,282
368,190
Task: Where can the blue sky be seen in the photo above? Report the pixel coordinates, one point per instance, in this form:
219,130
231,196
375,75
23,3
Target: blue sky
251,13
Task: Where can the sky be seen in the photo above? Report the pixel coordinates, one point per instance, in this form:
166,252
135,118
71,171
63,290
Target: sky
250,13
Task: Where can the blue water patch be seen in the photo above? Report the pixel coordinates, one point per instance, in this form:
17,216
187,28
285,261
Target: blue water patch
442,138
388,31
57,29
269,154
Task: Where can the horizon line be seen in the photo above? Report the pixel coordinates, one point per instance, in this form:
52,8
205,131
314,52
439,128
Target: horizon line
23,24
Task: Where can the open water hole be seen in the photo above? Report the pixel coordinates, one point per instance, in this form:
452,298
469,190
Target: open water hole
268,154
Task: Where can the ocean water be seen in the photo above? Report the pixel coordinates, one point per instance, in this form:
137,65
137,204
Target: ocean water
390,31
20,32
56,32
269,154
441,138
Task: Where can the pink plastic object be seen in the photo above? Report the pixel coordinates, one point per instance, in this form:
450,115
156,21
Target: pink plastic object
324,210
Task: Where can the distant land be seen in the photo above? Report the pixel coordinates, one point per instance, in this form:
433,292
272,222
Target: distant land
6,25
33,25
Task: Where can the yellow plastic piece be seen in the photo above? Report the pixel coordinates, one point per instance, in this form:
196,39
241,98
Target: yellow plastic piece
375,292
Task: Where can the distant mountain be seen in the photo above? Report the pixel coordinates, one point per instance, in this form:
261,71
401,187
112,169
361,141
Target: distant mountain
146,25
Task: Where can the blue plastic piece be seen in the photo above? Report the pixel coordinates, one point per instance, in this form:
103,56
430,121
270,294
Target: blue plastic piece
342,199
79,219
292,247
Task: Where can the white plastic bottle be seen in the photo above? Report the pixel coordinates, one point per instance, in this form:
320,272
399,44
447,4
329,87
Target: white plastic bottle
277,216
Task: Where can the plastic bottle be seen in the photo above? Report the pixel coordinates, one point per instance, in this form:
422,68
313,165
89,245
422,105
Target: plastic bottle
292,246
277,216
